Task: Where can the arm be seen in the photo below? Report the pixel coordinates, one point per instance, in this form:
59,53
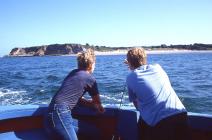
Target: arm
95,102
86,102
135,104
133,97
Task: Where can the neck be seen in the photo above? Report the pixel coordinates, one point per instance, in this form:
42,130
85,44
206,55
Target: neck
88,71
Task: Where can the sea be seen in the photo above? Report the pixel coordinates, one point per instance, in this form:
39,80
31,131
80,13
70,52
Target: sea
35,80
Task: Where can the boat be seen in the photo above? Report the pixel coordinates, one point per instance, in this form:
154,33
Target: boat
25,122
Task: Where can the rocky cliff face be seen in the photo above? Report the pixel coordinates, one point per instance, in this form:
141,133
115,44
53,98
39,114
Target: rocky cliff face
54,49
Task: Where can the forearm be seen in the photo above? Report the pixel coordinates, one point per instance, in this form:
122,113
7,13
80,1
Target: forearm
97,103
96,99
135,104
86,102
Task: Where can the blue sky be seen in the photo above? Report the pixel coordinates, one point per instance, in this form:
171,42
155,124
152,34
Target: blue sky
25,23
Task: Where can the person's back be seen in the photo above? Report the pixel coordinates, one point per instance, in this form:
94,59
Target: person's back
163,115
76,83
58,121
156,97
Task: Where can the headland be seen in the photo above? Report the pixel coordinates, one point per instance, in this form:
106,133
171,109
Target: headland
73,49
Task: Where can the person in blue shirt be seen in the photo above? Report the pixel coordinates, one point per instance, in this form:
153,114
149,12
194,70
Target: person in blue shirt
163,116
58,122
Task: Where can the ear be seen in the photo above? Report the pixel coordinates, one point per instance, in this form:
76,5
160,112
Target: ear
89,67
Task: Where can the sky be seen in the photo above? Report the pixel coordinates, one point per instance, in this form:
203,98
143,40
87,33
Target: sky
112,23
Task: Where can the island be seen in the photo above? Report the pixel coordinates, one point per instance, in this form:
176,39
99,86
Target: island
69,49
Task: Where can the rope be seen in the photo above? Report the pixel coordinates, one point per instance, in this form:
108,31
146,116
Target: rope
122,96
116,135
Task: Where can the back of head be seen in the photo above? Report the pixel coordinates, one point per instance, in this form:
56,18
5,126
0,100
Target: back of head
86,59
136,57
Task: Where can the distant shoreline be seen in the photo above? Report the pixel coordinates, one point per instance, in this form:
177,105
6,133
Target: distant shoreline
72,49
124,52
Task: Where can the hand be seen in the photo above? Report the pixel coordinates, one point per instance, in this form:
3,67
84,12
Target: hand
125,61
99,108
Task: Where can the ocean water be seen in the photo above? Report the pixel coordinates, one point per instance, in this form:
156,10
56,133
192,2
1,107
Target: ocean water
34,80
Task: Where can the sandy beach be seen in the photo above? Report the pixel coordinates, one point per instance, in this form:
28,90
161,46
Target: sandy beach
124,52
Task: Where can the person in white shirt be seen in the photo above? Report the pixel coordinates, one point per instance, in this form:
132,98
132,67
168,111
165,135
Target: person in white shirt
162,114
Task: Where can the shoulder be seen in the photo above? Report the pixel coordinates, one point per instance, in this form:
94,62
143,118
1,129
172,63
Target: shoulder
132,75
92,78
155,67
86,78
89,77
71,74
81,75
158,66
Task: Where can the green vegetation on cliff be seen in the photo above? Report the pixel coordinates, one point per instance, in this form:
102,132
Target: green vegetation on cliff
67,49
196,46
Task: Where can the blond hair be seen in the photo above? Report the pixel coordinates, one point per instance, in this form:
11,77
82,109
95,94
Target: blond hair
136,57
85,59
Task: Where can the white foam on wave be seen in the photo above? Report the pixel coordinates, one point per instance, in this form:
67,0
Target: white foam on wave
11,97
116,100
129,106
118,97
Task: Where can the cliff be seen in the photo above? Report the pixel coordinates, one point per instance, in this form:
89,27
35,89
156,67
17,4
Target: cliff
54,49
66,49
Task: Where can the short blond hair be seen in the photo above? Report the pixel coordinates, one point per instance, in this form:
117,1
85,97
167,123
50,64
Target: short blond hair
136,57
85,59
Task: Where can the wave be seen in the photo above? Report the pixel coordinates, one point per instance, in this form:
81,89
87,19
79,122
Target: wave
52,78
11,97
